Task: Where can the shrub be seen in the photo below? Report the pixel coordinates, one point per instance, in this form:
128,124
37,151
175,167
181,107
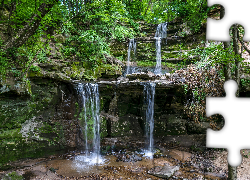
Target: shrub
200,83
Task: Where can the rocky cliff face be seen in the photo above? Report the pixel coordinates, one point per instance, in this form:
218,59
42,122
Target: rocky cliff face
42,112
179,39
37,117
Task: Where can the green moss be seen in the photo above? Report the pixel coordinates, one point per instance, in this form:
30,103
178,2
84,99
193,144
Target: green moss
35,74
61,76
146,63
28,87
108,70
15,111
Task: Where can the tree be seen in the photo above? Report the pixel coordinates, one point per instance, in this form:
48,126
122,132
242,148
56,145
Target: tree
21,28
18,36
232,171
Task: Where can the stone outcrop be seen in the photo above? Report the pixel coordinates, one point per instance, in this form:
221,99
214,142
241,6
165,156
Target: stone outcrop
12,86
164,172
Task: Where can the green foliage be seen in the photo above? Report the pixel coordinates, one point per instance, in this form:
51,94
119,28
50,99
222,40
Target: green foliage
13,176
86,29
35,68
4,61
211,55
90,32
192,11
245,82
146,63
200,82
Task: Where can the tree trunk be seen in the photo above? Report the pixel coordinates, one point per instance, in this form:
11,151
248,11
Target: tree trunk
71,9
147,7
1,9
226,66
236,51
76,7
232,172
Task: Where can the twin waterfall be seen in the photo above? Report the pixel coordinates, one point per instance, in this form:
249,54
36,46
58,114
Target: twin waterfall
90,106
161,32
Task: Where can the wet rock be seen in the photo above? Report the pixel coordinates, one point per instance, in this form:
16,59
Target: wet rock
165,76
142,75
163,171
122,79
137,158
112,60
28,128
128,157
28,175
197,128
175,125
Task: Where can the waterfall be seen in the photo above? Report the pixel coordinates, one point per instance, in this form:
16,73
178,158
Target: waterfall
161,32
131,45
158,55
149,94
89,117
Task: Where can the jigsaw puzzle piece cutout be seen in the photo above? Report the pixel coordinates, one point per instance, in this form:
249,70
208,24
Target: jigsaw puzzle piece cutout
236,12
235,134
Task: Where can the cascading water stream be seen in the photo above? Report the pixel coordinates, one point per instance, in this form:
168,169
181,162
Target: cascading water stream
131,45
161,32
90,119
158,55
149,94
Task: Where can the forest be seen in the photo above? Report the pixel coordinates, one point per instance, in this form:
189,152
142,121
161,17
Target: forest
118,79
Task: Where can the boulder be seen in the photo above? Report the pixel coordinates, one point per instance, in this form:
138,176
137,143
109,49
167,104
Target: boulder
163,171
12,86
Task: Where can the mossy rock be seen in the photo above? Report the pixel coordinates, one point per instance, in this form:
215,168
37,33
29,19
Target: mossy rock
12,86
35,74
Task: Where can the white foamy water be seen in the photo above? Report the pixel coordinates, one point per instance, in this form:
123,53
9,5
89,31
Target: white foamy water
148,154
86,161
